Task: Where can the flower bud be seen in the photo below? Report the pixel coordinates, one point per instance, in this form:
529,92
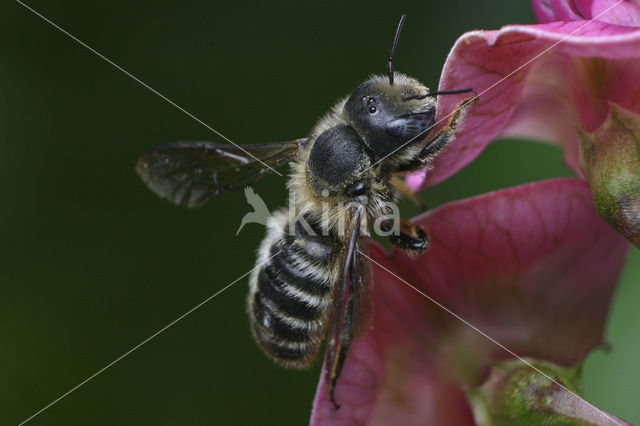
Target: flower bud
516,393
610,161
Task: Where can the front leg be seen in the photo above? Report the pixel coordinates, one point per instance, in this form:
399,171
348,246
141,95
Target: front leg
442,138
403,189
412,238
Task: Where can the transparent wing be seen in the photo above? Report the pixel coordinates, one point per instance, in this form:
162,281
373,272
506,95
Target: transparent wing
190,173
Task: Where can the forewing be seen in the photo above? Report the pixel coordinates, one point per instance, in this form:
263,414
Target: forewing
352,305
360,292
190,173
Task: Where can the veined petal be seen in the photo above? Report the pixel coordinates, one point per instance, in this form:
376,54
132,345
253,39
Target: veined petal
507,67
533,267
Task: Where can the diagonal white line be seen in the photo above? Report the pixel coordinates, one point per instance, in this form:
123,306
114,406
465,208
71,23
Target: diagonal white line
144,341
482,333
424,132
146,86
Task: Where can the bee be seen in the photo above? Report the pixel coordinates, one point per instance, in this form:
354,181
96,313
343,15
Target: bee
312,277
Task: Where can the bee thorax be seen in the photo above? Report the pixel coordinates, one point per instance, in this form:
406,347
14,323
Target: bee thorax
337,159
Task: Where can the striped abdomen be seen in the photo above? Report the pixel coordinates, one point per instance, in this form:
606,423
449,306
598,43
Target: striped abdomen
291,293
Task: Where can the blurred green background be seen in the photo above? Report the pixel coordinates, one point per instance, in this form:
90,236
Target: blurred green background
92,263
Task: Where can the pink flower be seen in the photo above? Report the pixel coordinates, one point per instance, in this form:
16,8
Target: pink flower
526,271
577,85
533,267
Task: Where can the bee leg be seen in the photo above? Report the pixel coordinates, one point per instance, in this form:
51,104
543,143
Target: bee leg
441,139
347,336
401,186
412,238
447,133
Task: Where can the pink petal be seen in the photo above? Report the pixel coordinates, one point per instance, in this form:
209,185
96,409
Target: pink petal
596,82
485,60
555,10
625,13
532,266
543,11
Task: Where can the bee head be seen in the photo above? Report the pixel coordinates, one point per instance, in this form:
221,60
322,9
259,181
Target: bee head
387,113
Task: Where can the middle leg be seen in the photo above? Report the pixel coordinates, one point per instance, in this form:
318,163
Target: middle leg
412,238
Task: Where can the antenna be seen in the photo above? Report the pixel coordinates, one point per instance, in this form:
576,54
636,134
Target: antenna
450,92
441,92
393,48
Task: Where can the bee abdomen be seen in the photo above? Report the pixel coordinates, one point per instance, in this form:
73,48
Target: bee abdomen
291,296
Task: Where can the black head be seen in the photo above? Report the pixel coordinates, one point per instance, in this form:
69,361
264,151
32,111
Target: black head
387,115
390,112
